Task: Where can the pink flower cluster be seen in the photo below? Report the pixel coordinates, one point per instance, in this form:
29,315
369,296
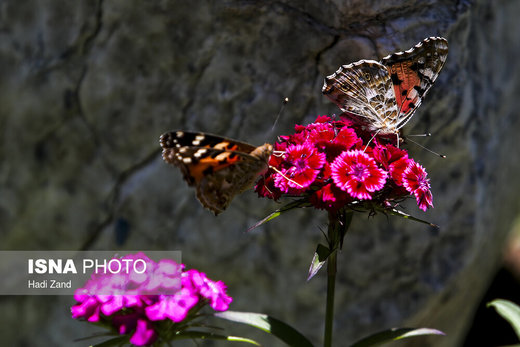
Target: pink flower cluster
330,164
136,313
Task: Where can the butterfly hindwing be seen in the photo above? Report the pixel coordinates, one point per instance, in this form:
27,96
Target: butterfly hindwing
413,73
218,167
364,91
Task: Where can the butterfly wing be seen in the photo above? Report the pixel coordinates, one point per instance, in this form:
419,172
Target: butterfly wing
384,96
413,72
364,92
218,167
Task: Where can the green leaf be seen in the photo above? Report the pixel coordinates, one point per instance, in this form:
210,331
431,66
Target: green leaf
320,257
399,213
285,208
393,335
212,336
509,311
271,325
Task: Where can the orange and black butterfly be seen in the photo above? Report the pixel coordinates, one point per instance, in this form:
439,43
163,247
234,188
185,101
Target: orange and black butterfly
219,168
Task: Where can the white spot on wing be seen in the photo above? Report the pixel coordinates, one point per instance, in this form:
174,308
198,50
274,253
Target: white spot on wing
200,152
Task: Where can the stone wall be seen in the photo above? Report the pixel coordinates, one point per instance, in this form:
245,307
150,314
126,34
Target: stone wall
86,88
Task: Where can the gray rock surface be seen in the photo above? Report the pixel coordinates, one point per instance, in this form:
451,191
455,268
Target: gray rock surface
86,88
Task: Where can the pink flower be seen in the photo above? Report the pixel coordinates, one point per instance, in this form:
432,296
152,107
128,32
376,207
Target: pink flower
415,182
215,292
87,308
329,197
347,138
397,169
127,304
332,163
424,198
303,163
144,333
174,307
357,173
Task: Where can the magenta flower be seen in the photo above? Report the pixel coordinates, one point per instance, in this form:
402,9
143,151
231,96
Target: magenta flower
415,182
127,305
357,173
215,292
174,307
144,333
329,164
303,163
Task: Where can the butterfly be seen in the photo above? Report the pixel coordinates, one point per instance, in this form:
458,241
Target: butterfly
383,96
219,168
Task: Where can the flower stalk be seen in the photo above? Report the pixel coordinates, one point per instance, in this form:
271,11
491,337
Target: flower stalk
338,226
333,164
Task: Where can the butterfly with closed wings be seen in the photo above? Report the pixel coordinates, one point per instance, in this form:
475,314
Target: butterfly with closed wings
383,96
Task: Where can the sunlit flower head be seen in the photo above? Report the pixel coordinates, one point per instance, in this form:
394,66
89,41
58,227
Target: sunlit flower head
331,166
301,166
358,174
416,182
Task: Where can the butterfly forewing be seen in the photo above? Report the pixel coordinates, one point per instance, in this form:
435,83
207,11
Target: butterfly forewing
218,167
413,73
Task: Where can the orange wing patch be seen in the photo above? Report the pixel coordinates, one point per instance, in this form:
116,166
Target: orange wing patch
413,73
219,168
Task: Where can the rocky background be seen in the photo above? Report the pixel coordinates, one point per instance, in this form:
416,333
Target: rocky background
86,88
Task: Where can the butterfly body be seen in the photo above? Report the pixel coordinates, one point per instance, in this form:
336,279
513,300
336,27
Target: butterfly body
219,168
383,96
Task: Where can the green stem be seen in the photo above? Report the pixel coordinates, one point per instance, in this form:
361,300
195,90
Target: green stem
331,284
338,226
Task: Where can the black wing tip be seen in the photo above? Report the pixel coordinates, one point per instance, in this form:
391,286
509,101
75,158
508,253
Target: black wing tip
167,139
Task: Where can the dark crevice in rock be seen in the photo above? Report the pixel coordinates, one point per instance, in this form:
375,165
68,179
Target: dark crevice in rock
335,40
78,50
74,99
84,43
113,197
317,59
205,63
306,17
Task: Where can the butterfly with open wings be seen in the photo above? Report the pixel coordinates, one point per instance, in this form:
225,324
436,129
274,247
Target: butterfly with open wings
218,167
382,96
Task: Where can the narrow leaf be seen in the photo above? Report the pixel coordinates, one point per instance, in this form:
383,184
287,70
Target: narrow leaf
393,335
271,325
285,208
509,311
399,213
320,257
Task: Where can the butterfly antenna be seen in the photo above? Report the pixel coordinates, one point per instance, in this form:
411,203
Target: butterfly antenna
287,178
284,102
425,148
419,135
372,138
